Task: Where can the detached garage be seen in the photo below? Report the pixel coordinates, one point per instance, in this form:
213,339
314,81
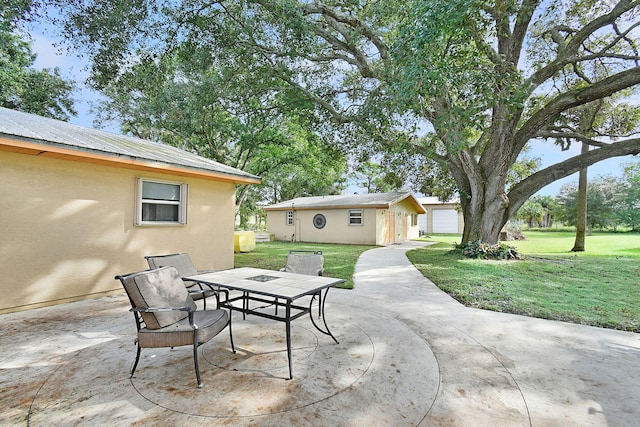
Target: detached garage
441,217
366,219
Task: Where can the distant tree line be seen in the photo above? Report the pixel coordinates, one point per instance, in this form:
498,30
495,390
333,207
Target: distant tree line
612,202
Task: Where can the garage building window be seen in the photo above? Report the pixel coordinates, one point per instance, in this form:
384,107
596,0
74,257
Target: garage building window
289,217
355,216
161,202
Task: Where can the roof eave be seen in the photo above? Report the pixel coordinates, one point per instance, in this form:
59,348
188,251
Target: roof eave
307,208
21,145
416,204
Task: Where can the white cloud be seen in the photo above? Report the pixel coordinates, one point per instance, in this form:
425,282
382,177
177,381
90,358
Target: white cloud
49,56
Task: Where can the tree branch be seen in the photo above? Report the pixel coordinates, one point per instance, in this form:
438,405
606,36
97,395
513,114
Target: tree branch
568,49
352,21
570,136
359,59
573,98
526,188
337,115
520,27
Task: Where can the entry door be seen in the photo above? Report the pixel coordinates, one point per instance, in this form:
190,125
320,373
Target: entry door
390,226
403,227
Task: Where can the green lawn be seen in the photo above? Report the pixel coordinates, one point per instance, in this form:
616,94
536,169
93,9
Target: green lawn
339,260
599,287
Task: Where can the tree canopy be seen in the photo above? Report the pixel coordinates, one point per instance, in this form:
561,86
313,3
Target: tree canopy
43,92
222,111
464,84
604,196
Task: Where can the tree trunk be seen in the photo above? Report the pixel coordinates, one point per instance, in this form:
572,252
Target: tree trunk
581,220
241,197
484,219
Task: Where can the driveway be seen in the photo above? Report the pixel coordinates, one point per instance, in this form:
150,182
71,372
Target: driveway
409,355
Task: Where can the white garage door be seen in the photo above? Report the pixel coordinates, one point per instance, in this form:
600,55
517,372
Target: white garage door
445,221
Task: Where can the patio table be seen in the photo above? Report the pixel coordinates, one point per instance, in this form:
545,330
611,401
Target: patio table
277,289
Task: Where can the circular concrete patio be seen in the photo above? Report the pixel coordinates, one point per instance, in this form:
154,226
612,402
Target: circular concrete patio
408,355
381,372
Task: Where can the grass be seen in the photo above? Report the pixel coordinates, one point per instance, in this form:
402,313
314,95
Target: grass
339,260
599,287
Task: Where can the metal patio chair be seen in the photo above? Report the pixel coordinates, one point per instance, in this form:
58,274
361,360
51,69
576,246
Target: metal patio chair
182,262
300,262
305,262
166,315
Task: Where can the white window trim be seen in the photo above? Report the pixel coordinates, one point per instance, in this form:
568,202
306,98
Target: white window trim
288,218
361,217
182,204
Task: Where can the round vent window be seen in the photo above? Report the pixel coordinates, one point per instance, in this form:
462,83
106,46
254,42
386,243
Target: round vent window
319,221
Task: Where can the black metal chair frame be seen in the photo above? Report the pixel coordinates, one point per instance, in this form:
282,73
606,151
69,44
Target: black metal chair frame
141,324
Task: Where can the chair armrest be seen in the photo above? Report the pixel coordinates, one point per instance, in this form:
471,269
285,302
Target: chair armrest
160,309
200,285
205,292
189,310
225,292
210,290
215,292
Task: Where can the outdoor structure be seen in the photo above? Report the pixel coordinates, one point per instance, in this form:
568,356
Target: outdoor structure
367,219
81,206
440,217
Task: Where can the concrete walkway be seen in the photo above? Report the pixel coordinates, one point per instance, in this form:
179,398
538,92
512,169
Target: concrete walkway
409,355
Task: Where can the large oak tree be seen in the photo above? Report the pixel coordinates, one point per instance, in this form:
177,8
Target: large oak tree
465,83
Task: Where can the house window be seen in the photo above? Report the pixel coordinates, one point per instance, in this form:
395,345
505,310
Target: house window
160,202
414,220
355,217
289,217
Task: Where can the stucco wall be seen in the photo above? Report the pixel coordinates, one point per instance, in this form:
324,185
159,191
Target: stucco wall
373,231
336,230
68,229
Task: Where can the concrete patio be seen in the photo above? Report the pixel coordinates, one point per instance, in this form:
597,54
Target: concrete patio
409,355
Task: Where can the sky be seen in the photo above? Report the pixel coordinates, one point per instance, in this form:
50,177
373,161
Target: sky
550,154
72,67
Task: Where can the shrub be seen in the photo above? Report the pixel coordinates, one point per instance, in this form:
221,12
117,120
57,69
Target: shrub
483,250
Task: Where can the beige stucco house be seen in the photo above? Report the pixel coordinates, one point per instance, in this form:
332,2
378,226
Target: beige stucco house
81,206
368,219
440,217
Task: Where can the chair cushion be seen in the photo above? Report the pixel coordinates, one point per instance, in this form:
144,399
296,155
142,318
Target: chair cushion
160,288
312,264
209,322
182,262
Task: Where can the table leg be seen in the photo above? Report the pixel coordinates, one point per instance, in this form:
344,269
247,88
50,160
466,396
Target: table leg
288,323
245,304
321,300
